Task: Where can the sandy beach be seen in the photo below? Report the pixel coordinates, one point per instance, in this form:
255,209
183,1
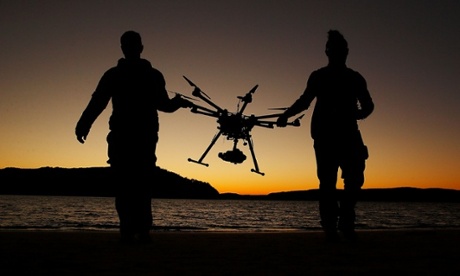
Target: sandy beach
408,252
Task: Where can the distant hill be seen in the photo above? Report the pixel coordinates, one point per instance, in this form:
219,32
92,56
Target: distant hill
94,182
403,194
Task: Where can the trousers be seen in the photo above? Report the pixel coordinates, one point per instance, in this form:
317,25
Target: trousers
133,199
337,209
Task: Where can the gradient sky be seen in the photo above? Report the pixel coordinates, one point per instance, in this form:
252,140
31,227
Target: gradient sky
53,54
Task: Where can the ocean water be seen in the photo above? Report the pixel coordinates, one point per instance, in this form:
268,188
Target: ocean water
98,213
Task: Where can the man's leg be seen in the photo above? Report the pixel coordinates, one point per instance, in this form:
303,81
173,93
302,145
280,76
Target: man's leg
142,214
126,201
143,203
123,205
145,219
353,175
347,209
133,205
327,169
132,157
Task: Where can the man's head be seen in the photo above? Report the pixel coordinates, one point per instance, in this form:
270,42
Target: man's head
336,48
131,45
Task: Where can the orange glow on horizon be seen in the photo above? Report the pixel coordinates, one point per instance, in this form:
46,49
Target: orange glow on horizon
52,64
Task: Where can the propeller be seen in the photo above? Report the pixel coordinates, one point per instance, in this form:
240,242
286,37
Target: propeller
278,108
182,95
192,84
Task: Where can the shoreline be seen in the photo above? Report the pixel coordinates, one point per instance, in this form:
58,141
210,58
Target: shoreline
377,252
162,229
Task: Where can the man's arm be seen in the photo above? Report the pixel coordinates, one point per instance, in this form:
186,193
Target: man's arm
301,104
366,105
166,104
96,105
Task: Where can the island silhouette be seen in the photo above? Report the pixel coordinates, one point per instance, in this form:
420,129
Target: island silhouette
92,181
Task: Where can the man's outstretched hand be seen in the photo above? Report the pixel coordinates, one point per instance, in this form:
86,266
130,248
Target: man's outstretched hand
182,102
282,121
186,103
81,139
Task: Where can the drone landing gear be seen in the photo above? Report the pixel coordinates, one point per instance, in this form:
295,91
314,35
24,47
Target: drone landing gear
251,147
235,156
206,151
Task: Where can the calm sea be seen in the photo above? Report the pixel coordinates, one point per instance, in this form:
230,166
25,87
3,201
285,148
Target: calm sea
97,213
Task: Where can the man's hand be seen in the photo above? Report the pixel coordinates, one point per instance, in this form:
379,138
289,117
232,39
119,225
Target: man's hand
282,121
186,103
81,135
182,102
81,139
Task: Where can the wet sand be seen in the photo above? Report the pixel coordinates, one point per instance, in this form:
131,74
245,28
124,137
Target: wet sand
408,252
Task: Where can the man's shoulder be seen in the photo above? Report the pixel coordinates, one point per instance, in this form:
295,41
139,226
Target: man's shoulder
327,69
352,71
110,74
319,73
111,70
320,70
355,74
147,65
156,71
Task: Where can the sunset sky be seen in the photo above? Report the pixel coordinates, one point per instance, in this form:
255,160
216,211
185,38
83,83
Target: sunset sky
53,54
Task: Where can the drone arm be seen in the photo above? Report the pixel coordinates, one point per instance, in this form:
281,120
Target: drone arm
204,111
270,124
200,94
267,124
206,151
269,116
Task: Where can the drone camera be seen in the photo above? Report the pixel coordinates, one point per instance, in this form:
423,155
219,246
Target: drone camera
234,156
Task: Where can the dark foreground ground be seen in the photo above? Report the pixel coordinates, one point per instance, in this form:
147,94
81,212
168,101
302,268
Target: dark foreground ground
408,252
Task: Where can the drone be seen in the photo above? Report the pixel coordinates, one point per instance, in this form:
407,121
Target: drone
234,125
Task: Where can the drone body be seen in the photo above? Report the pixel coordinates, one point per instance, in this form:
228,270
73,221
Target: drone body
235,126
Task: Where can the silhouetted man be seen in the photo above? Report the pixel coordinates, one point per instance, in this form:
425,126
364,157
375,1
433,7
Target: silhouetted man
137,91
342,98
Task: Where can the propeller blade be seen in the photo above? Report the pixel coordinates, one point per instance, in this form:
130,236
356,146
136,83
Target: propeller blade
205,95
277,108
253,89
192,84
189,81
182,95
